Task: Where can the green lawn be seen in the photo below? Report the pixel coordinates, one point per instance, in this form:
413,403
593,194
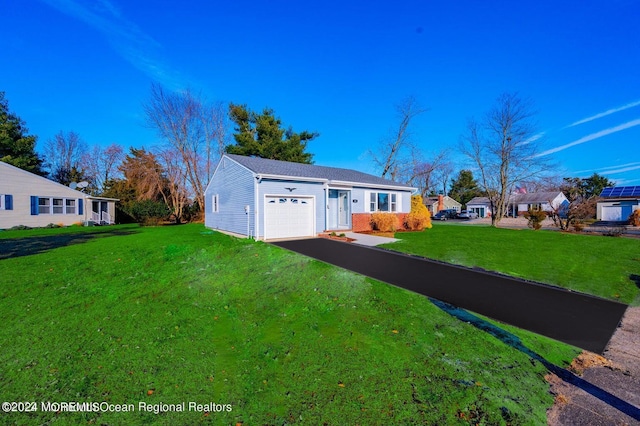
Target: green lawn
608,267
182,314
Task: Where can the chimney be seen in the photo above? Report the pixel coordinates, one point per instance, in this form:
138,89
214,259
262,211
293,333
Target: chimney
440,202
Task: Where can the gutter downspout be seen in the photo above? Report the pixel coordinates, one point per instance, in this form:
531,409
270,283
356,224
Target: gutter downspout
326,205
256,226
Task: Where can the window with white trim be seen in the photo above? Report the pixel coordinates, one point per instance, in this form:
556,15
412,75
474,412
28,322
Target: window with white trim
383,202
44,205
70,206
50,205
58,206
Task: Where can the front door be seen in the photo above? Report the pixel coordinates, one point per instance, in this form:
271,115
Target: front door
343,208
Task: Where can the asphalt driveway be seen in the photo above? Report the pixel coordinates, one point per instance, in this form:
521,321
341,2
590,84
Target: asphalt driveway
581,320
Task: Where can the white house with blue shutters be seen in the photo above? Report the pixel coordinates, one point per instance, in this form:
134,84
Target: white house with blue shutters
269,199
34,201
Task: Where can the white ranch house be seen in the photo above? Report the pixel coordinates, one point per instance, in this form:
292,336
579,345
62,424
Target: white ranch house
34,201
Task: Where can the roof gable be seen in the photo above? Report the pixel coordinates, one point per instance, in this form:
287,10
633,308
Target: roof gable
41,179
263,166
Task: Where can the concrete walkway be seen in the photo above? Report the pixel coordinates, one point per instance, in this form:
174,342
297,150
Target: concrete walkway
369,240
614,395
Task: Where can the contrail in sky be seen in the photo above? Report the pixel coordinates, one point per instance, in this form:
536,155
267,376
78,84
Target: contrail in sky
604,114
604,169
592,136
134,45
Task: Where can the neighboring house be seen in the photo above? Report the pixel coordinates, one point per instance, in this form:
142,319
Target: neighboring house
435,204
31,200
268,199
480,205
618,203
547,201
518,204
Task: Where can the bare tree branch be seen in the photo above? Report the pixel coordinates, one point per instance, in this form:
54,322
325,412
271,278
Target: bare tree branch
389,155
503,148
195,129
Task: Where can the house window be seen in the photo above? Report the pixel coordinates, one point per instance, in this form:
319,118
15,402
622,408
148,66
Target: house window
44,205
70,205
58,206
214,203
48,205
383,202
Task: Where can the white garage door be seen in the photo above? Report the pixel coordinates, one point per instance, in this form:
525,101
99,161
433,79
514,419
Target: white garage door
287,217
611,213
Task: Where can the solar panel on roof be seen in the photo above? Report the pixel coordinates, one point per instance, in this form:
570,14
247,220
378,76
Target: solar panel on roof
606,192
621,191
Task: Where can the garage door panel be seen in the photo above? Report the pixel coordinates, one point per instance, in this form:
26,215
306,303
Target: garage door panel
287,217
612,213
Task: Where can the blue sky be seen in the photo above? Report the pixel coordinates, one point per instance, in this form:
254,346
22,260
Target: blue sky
337,68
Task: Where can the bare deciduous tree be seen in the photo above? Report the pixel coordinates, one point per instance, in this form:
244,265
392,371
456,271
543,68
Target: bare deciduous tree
101,164
176,195
391,155
426,174
504,149
191,126
63,153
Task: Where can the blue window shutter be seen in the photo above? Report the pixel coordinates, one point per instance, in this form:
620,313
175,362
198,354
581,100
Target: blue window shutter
80,207
8,202
34,205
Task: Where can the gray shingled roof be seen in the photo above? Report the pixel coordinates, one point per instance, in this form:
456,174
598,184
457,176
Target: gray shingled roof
478,200
530,198
536,197
285,168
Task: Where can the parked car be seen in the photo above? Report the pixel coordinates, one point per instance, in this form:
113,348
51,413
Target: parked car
445,214
466,214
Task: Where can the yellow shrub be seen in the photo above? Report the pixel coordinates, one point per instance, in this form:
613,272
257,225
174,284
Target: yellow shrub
384,222
419,218
634,219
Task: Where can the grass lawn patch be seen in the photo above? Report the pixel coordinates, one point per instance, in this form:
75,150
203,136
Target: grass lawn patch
183,314
602,266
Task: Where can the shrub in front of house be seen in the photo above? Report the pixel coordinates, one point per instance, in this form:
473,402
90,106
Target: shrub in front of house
634,219
578,225
419,218
535,218
148,212
384,222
